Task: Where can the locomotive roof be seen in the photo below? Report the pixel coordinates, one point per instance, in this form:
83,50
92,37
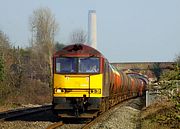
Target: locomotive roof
78,50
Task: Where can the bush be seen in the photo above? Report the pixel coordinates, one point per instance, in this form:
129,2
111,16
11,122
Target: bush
170,75
34,92
1,69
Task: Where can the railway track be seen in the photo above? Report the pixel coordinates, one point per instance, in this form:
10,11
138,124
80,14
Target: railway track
88,123
118,116
102,116
55,125
22,112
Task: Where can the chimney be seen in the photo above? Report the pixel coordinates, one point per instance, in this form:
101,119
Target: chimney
92,29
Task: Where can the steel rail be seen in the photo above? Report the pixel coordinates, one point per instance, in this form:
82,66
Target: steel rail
21,112
55,125
101,117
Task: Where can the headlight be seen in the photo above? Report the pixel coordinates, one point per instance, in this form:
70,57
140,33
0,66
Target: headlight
96,91
60,90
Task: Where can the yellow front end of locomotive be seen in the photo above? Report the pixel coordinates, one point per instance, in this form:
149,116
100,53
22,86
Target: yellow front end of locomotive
72,85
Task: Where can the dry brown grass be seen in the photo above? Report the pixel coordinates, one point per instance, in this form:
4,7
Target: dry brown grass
33,92
160,115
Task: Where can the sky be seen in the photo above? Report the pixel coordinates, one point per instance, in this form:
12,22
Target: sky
127,30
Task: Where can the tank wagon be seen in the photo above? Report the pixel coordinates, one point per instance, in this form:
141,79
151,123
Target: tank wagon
86,84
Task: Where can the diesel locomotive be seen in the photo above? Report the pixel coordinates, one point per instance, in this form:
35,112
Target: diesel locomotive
86,84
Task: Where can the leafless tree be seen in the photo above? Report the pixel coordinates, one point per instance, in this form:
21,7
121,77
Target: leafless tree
43,27
5,62
5,49
78,36
4,43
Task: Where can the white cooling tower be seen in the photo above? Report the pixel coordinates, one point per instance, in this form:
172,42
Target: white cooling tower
92,29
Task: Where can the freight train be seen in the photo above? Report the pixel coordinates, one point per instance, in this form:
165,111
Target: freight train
86,84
